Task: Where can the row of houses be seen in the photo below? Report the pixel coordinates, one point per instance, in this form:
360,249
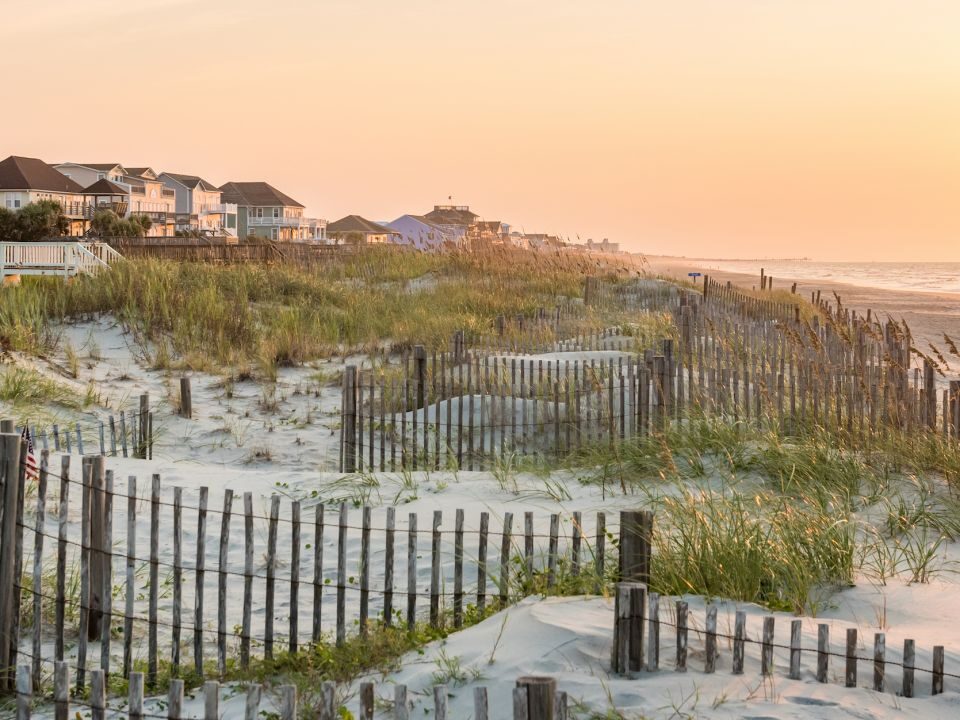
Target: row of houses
175,203
179,203
445,225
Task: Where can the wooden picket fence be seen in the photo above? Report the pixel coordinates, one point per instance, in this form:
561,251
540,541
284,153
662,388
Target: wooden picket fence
732,356
130,434
68,568
637,645
533,698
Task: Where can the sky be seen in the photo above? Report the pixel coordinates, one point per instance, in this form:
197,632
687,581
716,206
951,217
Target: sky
713,128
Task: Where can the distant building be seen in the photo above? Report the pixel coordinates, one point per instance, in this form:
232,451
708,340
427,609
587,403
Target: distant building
604,246
263,211
357,230
26,180
418,232
542,241
452,215
518,239
200,206
491,232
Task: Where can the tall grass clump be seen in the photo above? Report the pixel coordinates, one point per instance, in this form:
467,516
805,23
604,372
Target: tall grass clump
756,547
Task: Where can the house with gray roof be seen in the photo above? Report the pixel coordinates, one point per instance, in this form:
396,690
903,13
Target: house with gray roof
263,211
200,206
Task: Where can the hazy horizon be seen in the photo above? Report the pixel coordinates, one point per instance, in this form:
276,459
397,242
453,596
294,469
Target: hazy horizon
743,129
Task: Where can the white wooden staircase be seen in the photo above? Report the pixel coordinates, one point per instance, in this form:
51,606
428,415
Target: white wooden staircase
66,259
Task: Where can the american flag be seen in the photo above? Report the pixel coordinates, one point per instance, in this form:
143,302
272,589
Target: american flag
33,472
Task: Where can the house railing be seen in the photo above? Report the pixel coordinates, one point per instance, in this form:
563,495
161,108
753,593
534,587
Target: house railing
54,258
276,221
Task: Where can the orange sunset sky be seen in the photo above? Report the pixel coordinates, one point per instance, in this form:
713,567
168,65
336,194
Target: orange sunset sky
733,128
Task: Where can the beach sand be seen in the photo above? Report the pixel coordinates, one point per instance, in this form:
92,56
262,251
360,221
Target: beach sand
929,315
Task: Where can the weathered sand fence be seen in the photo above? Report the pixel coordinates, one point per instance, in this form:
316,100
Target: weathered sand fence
729,355
180,576
533,698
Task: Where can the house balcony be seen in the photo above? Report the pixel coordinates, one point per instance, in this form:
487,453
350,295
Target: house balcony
218,209
294,222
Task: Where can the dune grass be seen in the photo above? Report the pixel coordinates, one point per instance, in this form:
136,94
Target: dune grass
207,316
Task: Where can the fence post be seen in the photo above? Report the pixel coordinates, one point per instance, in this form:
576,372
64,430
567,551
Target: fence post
99,550
9,501
349,425
143,429
541,696
636,534
627,651
186,399
25,693
420,369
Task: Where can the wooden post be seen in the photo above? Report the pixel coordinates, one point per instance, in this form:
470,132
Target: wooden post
38,567
411,571
439,703
796,626
879,662
710,640
627,651
288,702
851,667
211,700
60,609
653,636
364,570
143,425
342,575
99,551
401,703
682,610
541,696
937,685
909,660
766,650
135,696
636,533
348,432
198,580
505,558
823,652
222,583
25,695
9,474
739,639
245,631
175,700
481,710
186,399
61,691
251,710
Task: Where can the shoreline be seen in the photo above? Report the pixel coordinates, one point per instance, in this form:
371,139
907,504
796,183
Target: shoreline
930,315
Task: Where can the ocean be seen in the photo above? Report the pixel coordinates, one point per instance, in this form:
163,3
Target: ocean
930,277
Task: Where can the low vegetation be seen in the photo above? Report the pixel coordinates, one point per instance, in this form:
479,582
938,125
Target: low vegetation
224,316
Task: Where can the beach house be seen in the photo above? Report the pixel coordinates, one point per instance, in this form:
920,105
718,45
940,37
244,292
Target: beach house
263,211
126,191
26,180
354,229
418,232
200,206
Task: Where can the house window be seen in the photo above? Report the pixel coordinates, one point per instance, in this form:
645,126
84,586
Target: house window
100,176
13,201
276,212
259,212
274,233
